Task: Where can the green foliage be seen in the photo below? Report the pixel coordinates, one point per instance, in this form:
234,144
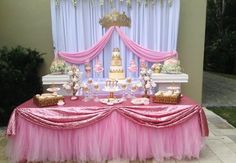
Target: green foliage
220,49
228,113
19,78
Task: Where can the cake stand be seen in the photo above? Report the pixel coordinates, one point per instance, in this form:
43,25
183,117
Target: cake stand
111,92
111,99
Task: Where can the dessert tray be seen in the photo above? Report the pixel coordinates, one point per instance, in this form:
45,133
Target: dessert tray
115,89
111,101
111,91
140,101
53,89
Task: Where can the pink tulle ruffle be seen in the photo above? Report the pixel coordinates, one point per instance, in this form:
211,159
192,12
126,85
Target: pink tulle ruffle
111,138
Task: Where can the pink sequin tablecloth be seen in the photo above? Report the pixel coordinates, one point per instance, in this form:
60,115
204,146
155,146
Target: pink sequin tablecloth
93,131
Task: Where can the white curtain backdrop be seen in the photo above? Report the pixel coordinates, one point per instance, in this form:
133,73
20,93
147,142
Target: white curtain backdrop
77,28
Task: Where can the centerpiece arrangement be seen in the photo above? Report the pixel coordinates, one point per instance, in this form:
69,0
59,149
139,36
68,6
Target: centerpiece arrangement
74,83
58,66
146,81
111,87
171,66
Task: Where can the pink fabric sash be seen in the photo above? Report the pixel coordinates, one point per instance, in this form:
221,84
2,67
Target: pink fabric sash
155,116
88,55
148,55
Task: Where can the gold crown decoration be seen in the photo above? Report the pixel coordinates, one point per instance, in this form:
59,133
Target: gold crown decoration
116,50
115,19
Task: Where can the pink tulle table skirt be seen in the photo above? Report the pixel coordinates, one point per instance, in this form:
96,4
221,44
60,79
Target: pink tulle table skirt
112,137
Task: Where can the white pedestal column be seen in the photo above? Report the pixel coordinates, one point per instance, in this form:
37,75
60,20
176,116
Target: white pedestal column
56,81
164,81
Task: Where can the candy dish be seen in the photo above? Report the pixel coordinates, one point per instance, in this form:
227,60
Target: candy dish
140,101
111,101
74,98
53,89
60,103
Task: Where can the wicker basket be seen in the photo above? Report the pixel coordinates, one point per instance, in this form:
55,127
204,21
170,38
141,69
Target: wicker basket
167,99
47,101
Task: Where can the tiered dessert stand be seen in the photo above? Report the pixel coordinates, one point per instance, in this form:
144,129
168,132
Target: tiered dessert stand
111,87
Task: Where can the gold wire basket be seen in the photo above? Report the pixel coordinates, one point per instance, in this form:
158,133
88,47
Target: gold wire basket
167,99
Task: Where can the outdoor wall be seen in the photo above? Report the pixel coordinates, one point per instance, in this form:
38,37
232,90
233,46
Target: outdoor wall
191,44
28,23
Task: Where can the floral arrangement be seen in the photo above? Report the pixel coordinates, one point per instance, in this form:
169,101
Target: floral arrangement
156,67
171,66
146,80
58,66
111,2
74,82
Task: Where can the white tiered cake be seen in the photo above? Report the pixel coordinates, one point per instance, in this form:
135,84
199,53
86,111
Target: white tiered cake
116,69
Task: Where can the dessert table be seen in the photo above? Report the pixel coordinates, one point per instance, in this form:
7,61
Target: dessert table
94,131
162,80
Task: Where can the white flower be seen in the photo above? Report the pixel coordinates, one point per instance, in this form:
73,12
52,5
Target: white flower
67,87
101,2
76,86
149,71
70,83
153,84
75,79
147,85
70,72
139,84
146,78
77,73
142,73
128,2
64,85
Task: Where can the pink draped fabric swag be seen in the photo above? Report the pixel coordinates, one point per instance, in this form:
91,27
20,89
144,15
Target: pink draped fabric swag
91,53
93,131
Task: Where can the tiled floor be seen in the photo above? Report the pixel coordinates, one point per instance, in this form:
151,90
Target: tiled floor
220,146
